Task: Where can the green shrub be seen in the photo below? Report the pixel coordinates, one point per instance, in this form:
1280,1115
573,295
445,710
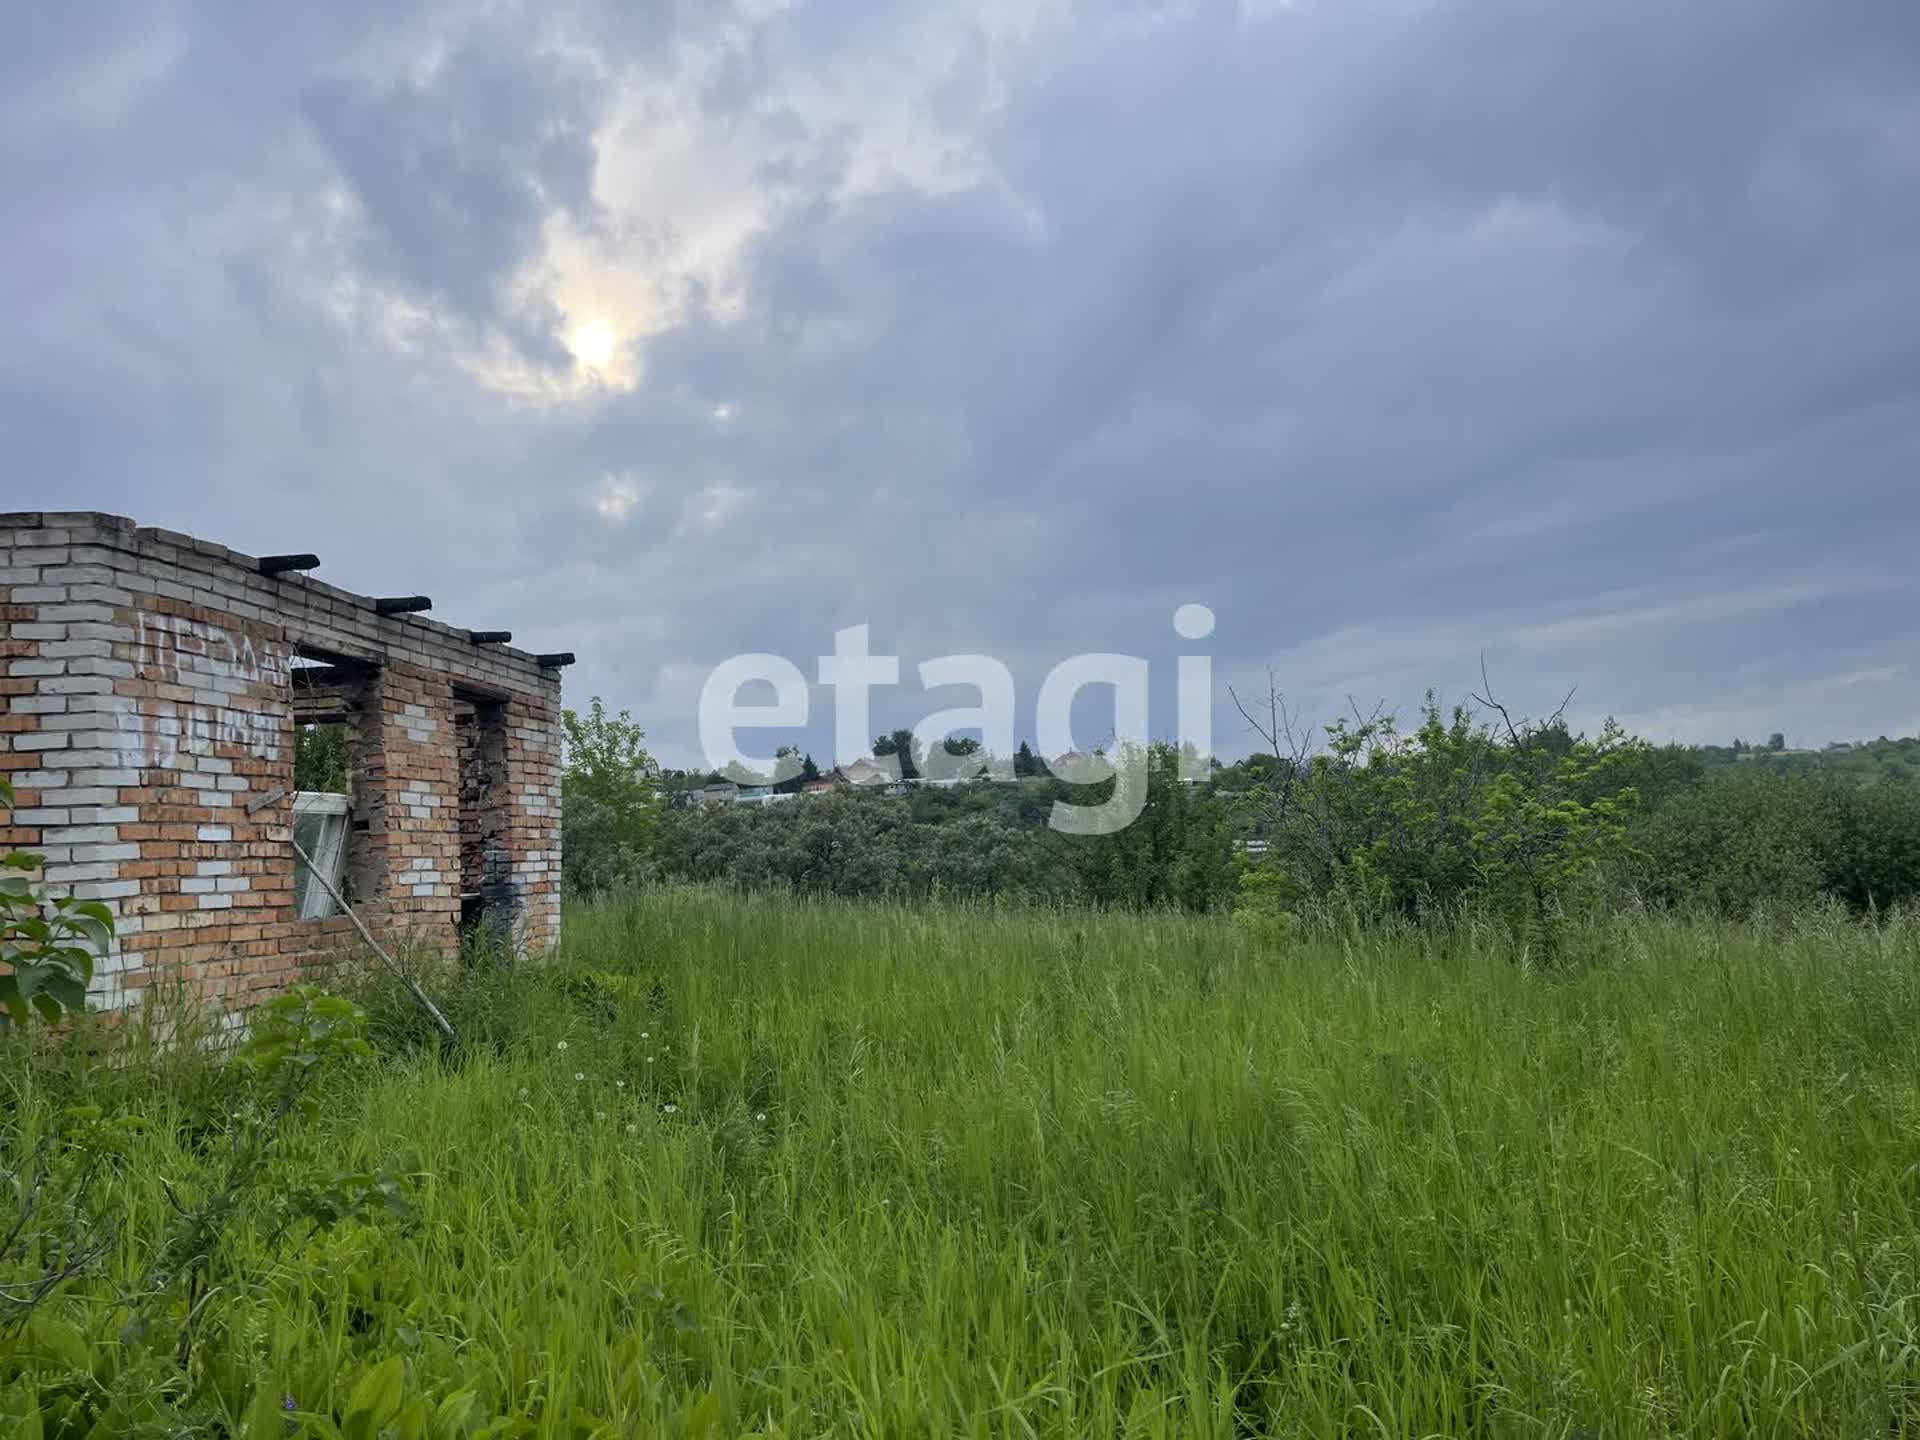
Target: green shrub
1759,840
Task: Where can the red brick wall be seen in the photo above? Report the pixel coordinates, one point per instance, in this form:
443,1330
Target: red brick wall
146,697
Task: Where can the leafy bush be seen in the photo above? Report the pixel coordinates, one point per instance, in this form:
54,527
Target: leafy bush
103,1331
862,846
610,803
1758,840
47,943
1526,824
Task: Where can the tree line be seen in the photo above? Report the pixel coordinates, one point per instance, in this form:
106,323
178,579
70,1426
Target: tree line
1468,811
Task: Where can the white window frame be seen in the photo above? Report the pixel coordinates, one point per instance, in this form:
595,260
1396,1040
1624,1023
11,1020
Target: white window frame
329,848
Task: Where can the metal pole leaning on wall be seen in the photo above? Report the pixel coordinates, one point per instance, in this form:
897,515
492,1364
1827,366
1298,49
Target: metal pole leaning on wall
274,797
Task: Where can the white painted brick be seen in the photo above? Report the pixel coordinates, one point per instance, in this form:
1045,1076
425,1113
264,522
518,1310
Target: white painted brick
214,867
74,872
63,684
216,902
28,667
107,889
75,719
77,757
38,704
41,594
101,613
110,775
39,780
40,740
196,885
88,711
101,666
103,814
28,630
233,884
213,832
67,649
105,594
123,850
107,743
82,835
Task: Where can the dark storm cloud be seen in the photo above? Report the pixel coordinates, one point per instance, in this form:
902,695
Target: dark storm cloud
1585,335
457,174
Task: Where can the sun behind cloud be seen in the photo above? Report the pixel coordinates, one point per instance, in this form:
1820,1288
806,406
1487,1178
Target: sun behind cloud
594,343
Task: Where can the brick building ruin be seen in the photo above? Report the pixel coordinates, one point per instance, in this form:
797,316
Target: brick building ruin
151,686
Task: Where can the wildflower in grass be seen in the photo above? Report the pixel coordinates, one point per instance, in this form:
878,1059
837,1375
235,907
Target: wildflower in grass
669,1109
599,1114
619,1084
649,1059
287,1402
632,1129
523,1092
643,1035
579,1075
761,1116
562,1045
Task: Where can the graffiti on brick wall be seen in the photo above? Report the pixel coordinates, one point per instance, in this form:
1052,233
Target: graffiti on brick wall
187,652
237,702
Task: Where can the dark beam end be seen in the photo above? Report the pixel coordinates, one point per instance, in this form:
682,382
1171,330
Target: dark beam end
490,637
555,660
401,604
281,564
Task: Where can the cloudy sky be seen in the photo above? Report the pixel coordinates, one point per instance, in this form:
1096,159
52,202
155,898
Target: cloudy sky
1585,335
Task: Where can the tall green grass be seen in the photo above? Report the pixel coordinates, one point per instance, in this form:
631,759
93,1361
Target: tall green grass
808,1169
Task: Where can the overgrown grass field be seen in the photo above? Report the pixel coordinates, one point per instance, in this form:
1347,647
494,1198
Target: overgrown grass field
773,1167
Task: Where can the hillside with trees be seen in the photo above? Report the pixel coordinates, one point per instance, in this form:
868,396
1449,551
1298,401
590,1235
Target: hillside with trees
1469,812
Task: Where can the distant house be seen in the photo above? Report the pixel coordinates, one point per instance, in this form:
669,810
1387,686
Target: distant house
752,794
865,773
816,787
720,793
